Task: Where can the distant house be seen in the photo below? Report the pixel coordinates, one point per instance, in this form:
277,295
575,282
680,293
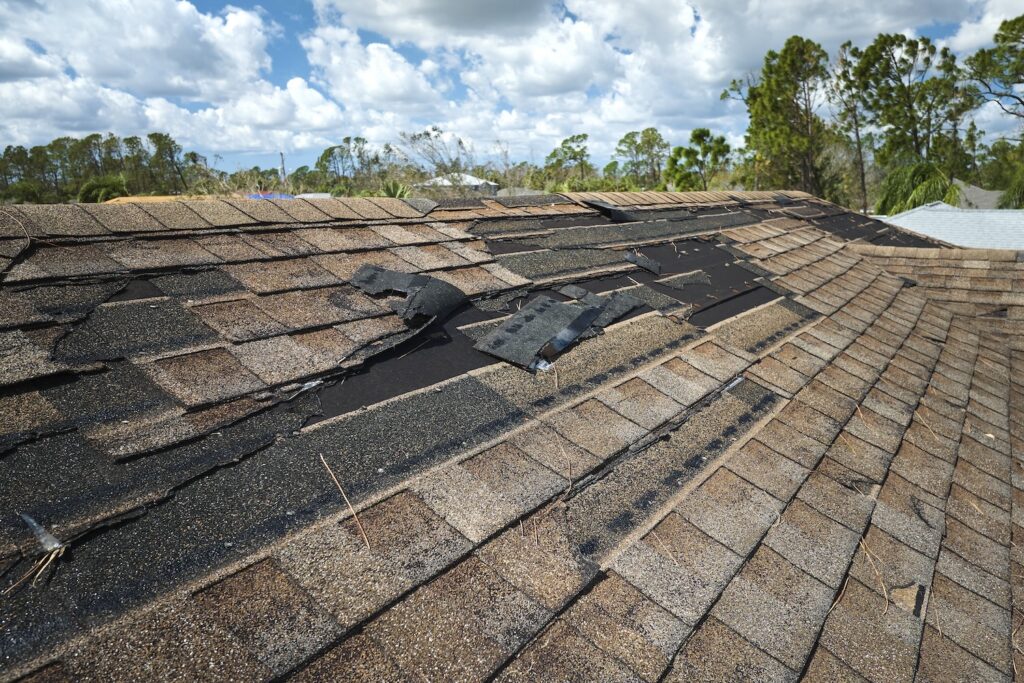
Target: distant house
979,228
462,181
974,197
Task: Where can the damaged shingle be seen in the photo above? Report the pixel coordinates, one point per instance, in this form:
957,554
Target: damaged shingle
425,296
544,328
648,264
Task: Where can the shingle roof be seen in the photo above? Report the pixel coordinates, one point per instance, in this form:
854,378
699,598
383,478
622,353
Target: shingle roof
798,457
975,228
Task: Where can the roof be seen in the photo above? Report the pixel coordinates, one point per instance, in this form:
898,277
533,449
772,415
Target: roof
974,197
457,179
259,439
980,228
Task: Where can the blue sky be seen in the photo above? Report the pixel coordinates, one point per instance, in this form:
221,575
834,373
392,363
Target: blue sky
245,80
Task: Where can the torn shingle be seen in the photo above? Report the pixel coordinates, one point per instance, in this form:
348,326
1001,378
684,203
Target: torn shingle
425,297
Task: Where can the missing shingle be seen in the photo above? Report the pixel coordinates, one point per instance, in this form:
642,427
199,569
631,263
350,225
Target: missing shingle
909,598
138,288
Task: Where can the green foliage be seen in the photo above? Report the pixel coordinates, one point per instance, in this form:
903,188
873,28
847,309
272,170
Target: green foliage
96,190
393,188
59,170
850,113
696,166
999,165
785,131
913,95
999,71
643,155
1013,196
914,185
568,165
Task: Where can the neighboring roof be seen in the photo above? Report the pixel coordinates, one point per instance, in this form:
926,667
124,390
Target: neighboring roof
457,180
799,456
974,197
979,228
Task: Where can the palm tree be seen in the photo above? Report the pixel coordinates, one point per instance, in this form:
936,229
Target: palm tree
914,185
1013,196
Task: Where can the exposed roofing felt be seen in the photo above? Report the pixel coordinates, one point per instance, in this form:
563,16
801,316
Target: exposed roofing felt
801,456
975,228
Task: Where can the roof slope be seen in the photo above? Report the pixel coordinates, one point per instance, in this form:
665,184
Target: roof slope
799,457
976,228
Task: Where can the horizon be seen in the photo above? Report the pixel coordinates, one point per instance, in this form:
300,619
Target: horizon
245,81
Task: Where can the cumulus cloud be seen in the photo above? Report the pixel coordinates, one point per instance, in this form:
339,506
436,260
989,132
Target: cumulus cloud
978,30
527,72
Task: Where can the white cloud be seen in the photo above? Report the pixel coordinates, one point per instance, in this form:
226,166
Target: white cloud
527,72
150,47
19,61
373,76
978,31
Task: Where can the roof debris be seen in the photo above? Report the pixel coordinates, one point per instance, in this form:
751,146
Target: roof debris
425,296
648,264
541,330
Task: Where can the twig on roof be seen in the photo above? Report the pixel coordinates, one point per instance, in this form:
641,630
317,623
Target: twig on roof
37,570
878,574
53,550
839,598
668,551
917,414
28,236
350,508
415,348
568,460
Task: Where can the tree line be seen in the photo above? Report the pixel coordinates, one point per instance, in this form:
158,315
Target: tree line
882,127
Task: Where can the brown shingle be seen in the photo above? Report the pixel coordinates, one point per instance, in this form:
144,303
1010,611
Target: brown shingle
562,653
731,510
681,381
276,360
278,276
878,642
345,266
318,307
204,377
430,257
713,360
140,254
717,653
219,213
269,613
766,469
776,607
409,544
462,625
595,427
679,567
641,403
123,217
238,320
972,622
174,642
540,557
480,495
